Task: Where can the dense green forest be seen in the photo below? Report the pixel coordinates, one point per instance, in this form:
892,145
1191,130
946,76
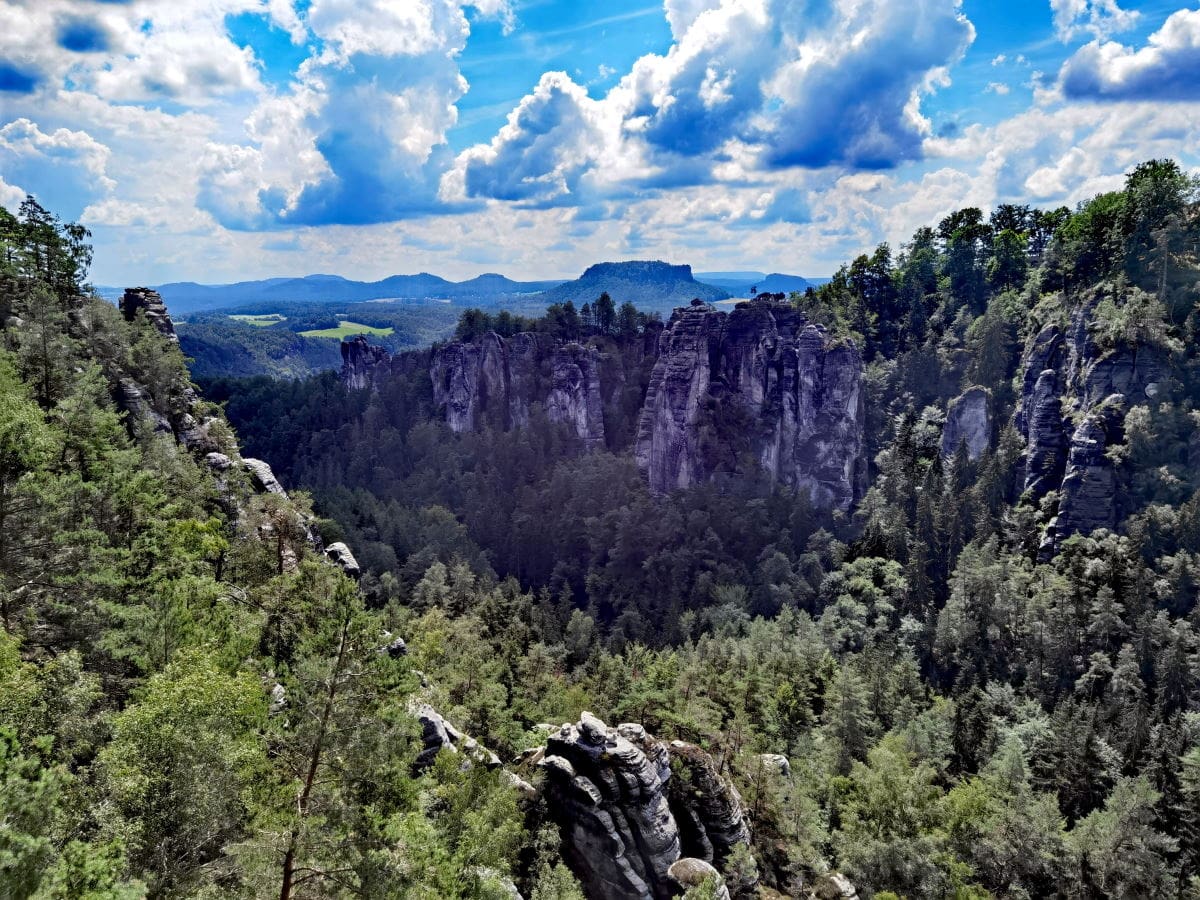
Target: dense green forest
219,344
192,703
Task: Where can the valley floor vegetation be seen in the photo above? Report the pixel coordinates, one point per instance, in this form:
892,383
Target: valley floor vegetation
965,714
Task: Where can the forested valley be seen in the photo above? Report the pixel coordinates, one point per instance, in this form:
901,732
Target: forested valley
979,679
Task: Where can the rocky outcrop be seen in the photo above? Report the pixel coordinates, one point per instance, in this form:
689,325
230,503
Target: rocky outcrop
362,362
149,302
437,735
575,392
1089,487
262,478
834,886
760,381
1071,413
969,423
339,554
496,380
709,810
717,393
137,404
624,823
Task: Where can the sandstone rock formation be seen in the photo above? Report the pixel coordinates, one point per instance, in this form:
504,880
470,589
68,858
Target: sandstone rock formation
624,823
969,422
495,380
728,392
1074,396
834,886
361,362
766,383
262,478
1089,486
437,734
340,554
141,299
708,808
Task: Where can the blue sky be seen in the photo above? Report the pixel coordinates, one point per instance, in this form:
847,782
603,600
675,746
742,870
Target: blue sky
215,140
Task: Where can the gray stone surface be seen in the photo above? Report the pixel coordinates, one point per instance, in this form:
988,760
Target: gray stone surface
437,734
141,299
799,395
262,478
1071,413
834,886
340,554
362,362
689,872
496,380
969,422
625,821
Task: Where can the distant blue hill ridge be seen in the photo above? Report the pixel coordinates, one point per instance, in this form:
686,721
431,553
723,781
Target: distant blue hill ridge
648,284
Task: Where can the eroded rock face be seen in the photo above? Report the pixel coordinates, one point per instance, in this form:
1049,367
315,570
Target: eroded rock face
624,823
339,554
709,810
766,383
151,303
1072,410
496,380
437,734
262,478
968,422
1089,487
575,392
362,362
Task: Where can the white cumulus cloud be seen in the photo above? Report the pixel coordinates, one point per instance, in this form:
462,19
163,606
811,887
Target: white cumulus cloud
1098,18
1166,68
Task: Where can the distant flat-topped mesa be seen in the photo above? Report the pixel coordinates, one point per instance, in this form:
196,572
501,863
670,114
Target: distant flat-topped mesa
649,284
713,394
758,384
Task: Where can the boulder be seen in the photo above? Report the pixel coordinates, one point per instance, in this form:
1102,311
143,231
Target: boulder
262,478
278,701
834,886
776,763
393,647
218,462
689,872
340,555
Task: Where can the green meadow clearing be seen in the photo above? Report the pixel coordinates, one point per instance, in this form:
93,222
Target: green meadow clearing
260,321
346,329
